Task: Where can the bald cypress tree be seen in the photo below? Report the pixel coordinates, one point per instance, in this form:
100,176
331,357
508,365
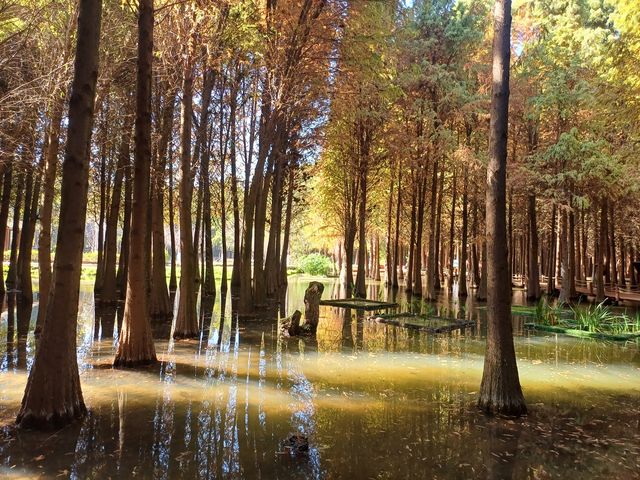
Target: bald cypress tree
53,396
500,390
136,340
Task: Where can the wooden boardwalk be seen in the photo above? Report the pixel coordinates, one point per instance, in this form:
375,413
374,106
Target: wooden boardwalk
586,287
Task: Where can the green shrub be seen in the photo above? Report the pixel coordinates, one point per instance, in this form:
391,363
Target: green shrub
316,264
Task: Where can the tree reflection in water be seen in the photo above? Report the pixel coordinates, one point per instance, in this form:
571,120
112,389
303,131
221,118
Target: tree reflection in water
375,401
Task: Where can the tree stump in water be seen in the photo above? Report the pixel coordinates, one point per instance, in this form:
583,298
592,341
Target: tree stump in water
291,325
312,297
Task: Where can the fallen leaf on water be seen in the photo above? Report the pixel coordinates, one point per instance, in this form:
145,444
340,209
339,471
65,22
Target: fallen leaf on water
39,458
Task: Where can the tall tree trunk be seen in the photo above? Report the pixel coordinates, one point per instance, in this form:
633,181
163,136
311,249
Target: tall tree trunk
500,390
397,260
235,273
53,396
4,216
349,241
109,295
262,181
376,258
46,210
571,274
623,263
26,241
533,279
173,281
412,240
272,259
632,270
361,290
223,217
245,304
564,259
432,264
462,277
510,237
602,251
388,251
123,261
12,272
202,152
417,271
197,230
23,237
135,345
104,200
287,229
437,259
551,283
369,254
584,246
613,262
452,225
481,292
475,232
160,301
560,242
187,318
208,279
579,270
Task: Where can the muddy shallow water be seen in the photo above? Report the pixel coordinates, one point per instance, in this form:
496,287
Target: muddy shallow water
374,400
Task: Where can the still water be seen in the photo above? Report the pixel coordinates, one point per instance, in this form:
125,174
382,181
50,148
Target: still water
375,401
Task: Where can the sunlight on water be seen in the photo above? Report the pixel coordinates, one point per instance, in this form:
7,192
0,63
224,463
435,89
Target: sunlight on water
375,401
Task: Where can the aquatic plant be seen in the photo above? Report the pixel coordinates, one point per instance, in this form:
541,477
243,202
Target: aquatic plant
601,318
547,314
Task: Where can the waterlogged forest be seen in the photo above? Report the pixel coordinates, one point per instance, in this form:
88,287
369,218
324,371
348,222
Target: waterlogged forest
319,239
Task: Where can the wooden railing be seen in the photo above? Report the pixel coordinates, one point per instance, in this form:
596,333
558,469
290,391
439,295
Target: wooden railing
587,287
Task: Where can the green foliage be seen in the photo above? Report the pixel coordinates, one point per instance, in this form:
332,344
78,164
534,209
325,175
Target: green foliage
602,319
316,264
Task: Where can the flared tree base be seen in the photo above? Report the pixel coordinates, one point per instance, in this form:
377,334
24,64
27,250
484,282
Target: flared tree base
52,420
502,404
185,335
126,363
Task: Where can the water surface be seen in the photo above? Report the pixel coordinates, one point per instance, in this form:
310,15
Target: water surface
375,401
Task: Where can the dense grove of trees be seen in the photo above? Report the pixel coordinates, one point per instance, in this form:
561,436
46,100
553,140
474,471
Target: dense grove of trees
194,133
572,181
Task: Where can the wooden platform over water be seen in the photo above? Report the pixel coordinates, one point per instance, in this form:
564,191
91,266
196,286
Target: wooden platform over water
358,304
